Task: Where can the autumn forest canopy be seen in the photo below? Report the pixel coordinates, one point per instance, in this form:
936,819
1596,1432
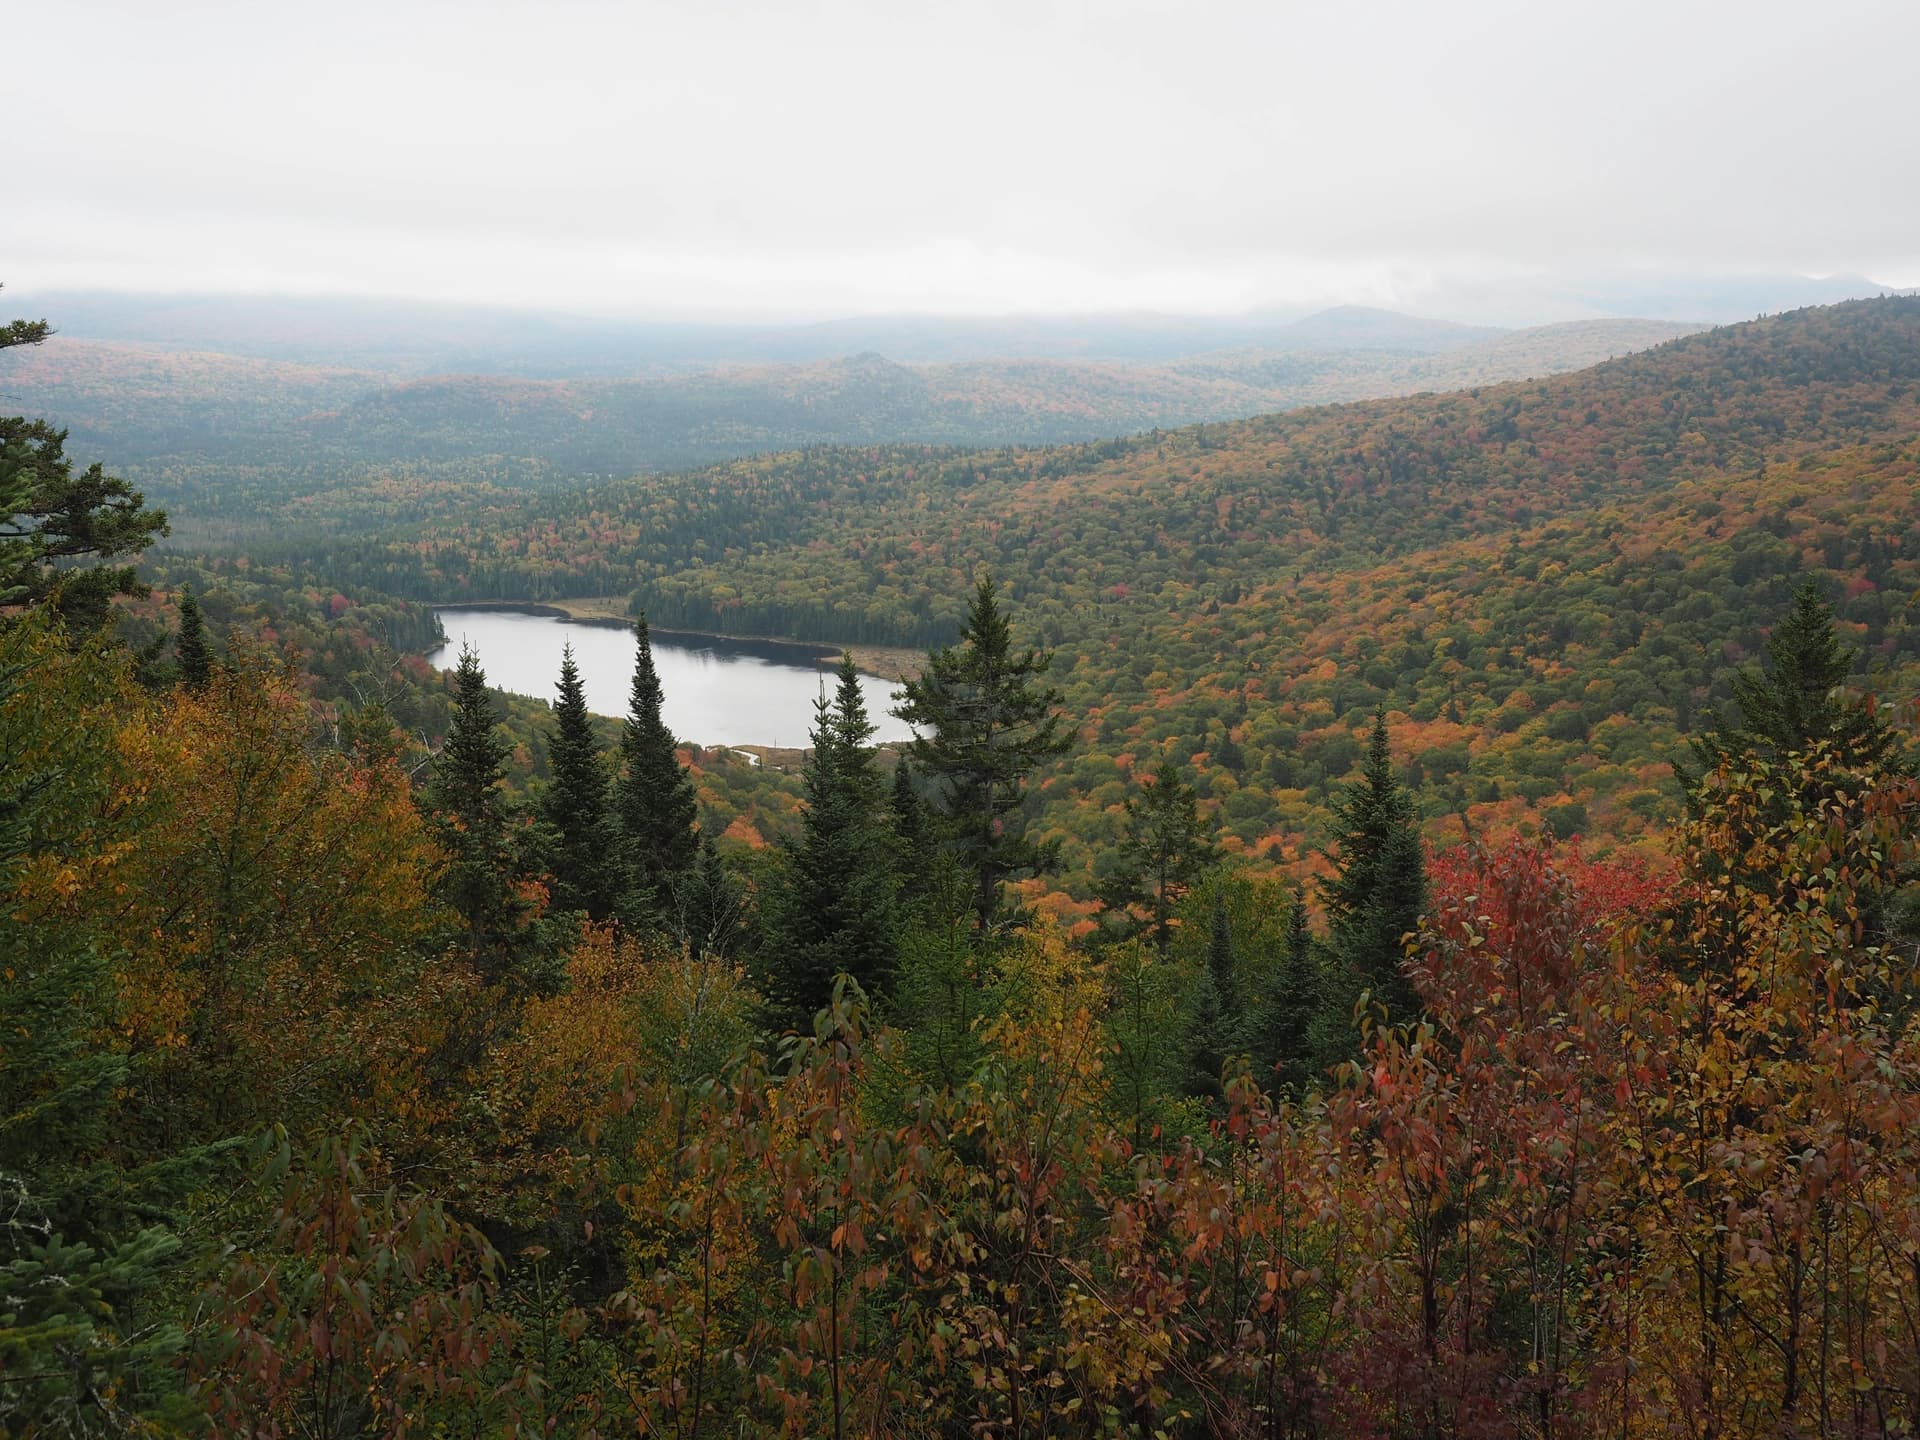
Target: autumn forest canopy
1401,918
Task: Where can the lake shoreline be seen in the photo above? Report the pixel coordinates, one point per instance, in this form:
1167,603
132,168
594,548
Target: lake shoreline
883,662
717,692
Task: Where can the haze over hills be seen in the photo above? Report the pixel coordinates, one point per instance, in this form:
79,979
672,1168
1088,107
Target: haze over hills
412,337
1722,298
150,407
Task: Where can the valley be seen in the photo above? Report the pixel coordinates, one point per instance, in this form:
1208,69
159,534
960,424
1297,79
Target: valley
1373,764
1545,584
984,722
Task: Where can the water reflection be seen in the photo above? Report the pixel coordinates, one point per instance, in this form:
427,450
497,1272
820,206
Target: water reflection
718,692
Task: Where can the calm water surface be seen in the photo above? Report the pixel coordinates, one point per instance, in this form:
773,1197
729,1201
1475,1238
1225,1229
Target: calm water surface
717,692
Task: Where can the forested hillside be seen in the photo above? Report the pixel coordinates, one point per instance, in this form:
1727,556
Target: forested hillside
226,438
1548,581
341,1103
382,1060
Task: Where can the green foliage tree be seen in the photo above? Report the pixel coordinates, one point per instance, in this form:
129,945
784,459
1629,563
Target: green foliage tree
914,833
1793,706
84,1243
713,918
192,651
574,804
653,803
1282,1017
1164,847
53,521
833,907
1373,899
1150,1062
986,720
946,987
1795,700
1217,1021
487,881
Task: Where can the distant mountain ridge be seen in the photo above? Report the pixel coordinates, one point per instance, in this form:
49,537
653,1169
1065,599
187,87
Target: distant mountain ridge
404,337
143,404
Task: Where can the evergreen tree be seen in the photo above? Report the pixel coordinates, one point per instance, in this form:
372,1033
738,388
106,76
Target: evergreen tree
1283,1018
832,911
1795,700
987,720
487,881
1222,964
191,650
1150,1059
1793,705
710,908
1373,899
51,520
653,803
945,987
910,827
1215,1017
367,733
1163,849
574,804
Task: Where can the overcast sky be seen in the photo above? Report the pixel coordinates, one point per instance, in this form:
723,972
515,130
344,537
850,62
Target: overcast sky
971,157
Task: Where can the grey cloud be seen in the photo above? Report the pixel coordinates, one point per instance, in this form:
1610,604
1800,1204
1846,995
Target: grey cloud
870,154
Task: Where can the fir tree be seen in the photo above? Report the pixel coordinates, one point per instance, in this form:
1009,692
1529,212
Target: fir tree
1222,964
1283,1018
1163,849
833,906
911,828
1794,701
487,881
51,520
710,908
191,650
653,803
987,720
1215,1017
574,804
1373,899
1150,1059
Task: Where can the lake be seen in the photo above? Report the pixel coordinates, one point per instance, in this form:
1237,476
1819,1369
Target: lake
716,692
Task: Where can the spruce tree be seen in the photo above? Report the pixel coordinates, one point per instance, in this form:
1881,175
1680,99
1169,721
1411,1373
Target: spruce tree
1373,898
191,650
1163,849
487,881
915,850
1794,701
1215,1018
52,520
986,720
1284,1016
1222,964
1795,705
1150,1061
653,803
574,804
710,908
832,910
